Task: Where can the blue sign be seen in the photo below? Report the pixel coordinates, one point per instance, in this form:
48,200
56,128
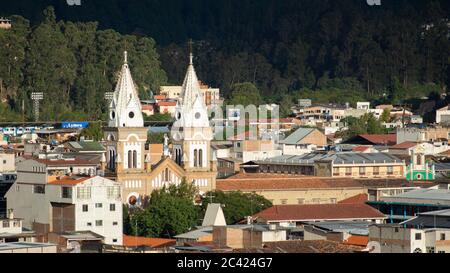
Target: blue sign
75,125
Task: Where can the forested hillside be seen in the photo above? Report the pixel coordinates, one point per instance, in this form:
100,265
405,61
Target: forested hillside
327,50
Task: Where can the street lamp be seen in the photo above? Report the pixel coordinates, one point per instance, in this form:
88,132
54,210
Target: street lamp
37,97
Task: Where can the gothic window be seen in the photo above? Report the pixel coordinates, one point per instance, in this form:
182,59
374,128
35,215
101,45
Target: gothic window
200,158
130,159
195,158
135,159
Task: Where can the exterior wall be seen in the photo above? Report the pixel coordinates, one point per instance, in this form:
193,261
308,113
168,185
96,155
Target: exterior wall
392,239
274,236
315,137
43,249
237,238
309,196
10,226
441,113
421,135
342,171
311,233
111,227
298,149
7,162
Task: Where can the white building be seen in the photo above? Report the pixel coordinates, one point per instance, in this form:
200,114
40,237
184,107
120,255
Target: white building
51,199
443,115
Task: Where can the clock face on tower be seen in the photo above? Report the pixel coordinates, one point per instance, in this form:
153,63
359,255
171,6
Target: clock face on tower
198,115
131,114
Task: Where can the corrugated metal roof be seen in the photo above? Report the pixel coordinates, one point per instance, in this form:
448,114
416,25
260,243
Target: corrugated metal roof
298,135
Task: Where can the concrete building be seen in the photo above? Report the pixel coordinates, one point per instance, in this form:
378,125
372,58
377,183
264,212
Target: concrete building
429,134
28,247
210,95
443,115
5,23
291,190
303,141
354,165
54,202
406,205
426,233
297,215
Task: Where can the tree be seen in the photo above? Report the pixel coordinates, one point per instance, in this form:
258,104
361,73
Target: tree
386,115
170,211
93,131
245,94
237,205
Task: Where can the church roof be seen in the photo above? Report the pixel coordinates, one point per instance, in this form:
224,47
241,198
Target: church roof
190,89
126,100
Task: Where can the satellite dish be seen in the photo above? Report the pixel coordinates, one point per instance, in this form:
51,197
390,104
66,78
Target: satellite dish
374,247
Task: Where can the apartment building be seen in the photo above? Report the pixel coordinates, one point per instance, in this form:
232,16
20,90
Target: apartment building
51,199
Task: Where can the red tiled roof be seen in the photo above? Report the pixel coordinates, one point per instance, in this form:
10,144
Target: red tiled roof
361,198
319,212
132,241
147,107
360,148
357,240
283,182
167,103
381,139
69,181
159,97
404,145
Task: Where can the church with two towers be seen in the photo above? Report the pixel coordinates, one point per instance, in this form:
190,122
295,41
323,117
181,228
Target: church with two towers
190,157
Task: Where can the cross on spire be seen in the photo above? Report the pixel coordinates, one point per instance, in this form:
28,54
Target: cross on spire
125,57
210,196
191,56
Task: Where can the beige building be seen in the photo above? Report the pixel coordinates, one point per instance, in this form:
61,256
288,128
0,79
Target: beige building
210,95
291,190
7,162
429,134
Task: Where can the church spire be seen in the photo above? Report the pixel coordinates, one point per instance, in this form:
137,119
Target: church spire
125,108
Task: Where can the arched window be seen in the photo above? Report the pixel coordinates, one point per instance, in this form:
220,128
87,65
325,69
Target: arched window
135,159
195,158
130,159
200,158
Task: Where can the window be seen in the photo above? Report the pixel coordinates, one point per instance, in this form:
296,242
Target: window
6,224
115,223
348,171
390,170
441,251
135,159
301,201
200,158
114,240
89,224
418,236
99,223
362,170
283,201
84,193
336,171
85,208
195,158
430,249
130,159
39,189
442,236
112,207
333,200
66,192
113,192
396,229
98,205
376,170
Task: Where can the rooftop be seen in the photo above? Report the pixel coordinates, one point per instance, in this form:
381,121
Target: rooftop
294,246
352,227
282,182
422,194
132,241
320,212
404,145
297,136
